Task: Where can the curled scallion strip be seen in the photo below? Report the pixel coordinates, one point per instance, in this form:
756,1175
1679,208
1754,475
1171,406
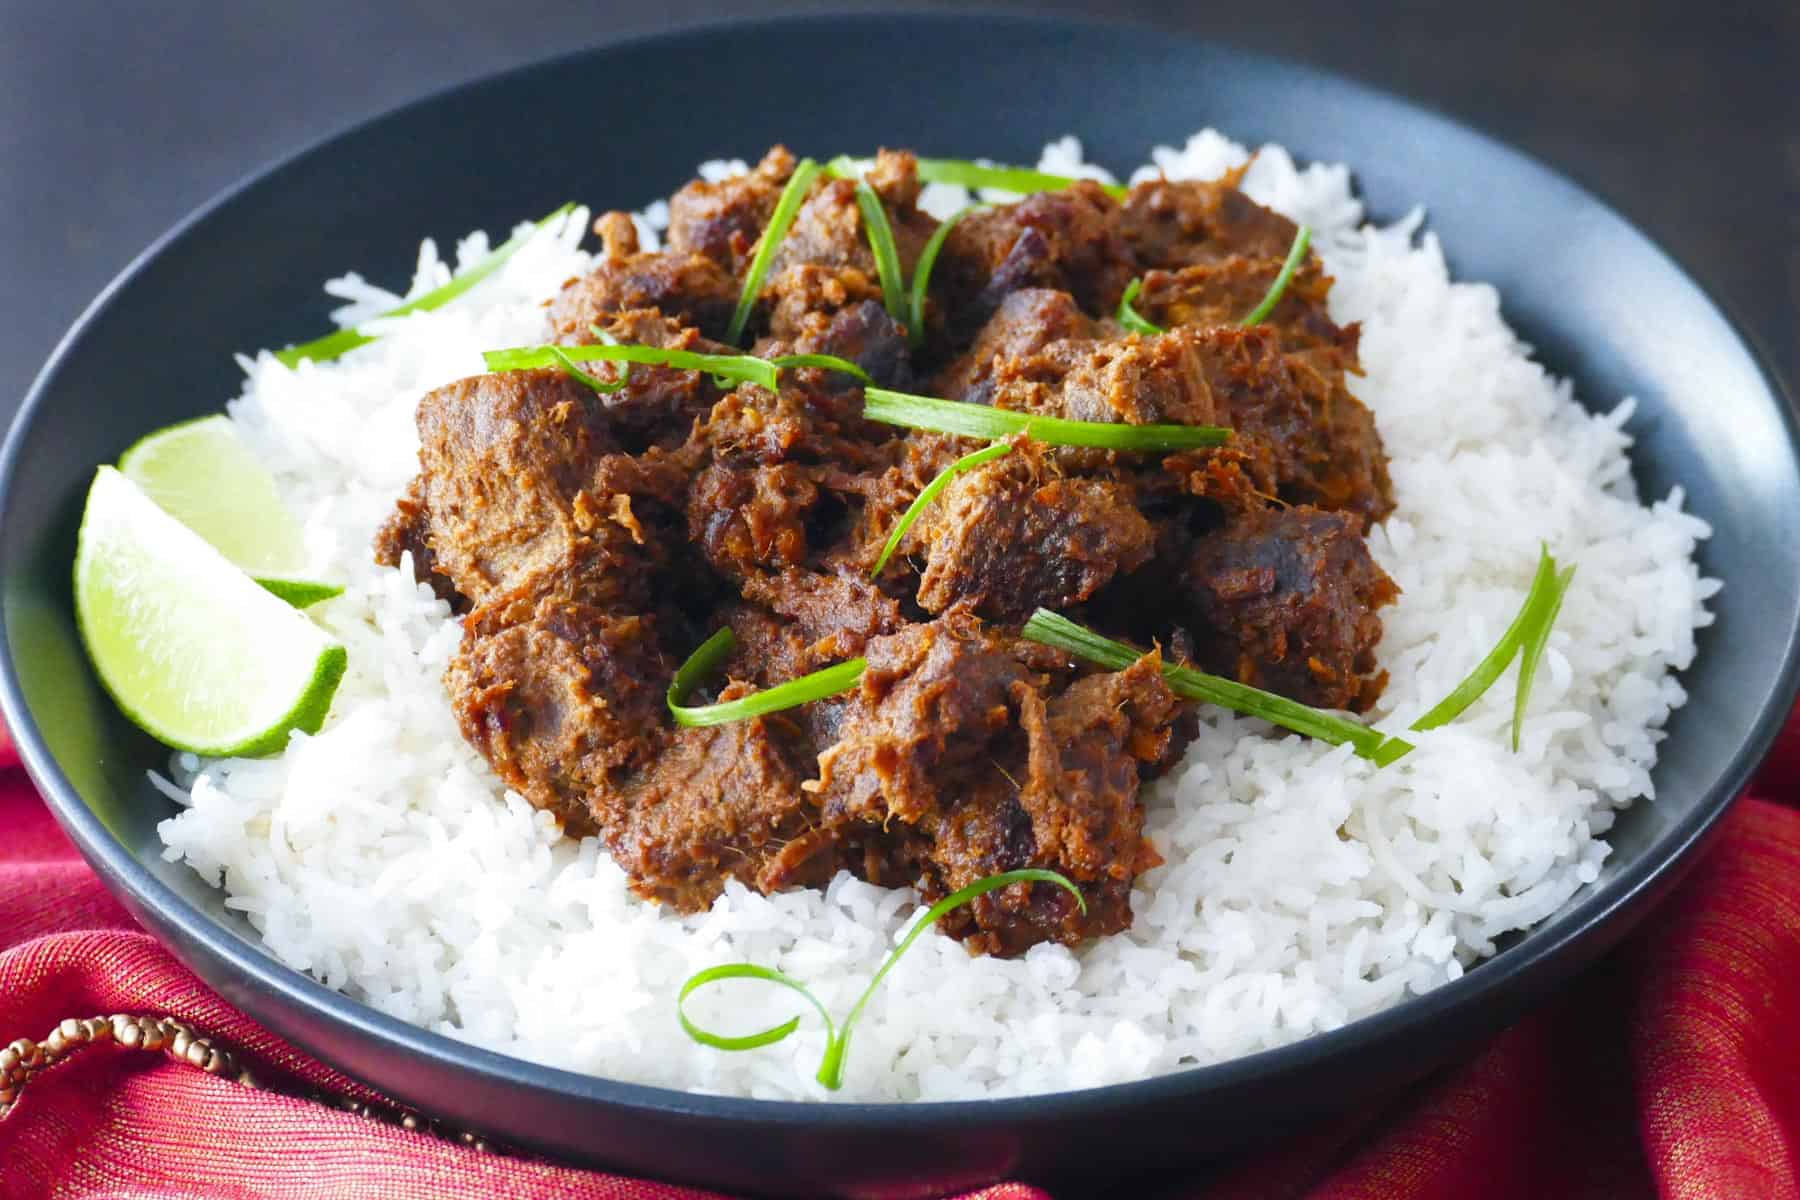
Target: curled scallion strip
1296,255
825,362
334,344
1490,668
1006,179
921,281
929,492
887,255
1129,317
837,1039
788,204
840,677
743,368
1053,629
582,377
991,424
1533,650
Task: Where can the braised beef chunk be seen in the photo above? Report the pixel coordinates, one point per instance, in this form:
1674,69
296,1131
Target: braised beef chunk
1008,538
682,284
1288,598
723,219
561,698
1025,323
1174,224
407,531
1071,806
1069,240
595,538
718,803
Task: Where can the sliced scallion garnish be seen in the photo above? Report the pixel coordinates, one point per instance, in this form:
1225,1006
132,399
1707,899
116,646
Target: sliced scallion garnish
1006,179
788,204
840,677
1525,638
1128,316
929,492
991,424
1499,658
887,254
1295,256
825,362
1535,640
582,377
1053,629
332,345
744,368
837,1040
921,281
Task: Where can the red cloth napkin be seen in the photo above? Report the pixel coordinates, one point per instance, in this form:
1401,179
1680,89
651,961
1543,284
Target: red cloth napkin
1673,1067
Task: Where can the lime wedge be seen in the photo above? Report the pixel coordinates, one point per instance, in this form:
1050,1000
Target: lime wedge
204,476
189,646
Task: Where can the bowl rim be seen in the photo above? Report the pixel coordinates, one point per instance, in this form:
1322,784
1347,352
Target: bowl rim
1531,959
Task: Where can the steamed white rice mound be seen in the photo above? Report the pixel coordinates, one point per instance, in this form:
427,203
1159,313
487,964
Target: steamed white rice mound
1303,888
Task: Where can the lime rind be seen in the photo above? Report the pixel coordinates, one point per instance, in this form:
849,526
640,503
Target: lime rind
202,474
192,649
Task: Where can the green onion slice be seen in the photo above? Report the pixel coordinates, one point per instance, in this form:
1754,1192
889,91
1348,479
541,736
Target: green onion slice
930,492
831,1068
1535,641
1489,669
767,1037
334,344
921,283
744,368
992,424
1006,179
1128,316
826,362
788,204
817,685
593,381
1296,255
837,1040
887,255
1053,629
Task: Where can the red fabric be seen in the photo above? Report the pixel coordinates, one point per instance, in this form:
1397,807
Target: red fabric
1673,1067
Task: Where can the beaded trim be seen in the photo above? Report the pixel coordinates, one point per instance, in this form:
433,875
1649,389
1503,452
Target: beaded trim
24,1058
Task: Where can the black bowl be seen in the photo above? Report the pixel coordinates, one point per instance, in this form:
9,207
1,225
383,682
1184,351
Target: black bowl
620,125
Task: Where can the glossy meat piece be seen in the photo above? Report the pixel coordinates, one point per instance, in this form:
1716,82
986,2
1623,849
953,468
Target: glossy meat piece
408,531
1011,536
1300,435
718,803
1172,224
858,330
685,285
561,698
933,701
1068,240
1073,809
1025,323
835,613
508,464
804,423
1130,380
1287,599
748,519
824,263
723,220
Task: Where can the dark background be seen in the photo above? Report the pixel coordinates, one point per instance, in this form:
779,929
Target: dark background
116,119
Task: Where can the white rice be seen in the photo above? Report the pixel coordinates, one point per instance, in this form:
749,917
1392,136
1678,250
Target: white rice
1303,888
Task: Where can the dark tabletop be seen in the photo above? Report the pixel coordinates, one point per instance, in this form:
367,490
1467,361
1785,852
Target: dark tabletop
116,120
